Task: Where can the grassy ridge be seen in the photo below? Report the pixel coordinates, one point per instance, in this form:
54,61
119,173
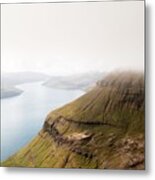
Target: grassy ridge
102,129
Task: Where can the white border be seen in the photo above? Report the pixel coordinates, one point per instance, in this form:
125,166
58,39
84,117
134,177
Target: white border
149,173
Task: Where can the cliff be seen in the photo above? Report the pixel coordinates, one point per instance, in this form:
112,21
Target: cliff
102,129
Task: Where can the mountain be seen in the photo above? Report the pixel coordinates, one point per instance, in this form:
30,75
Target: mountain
102,129
7,92
78,81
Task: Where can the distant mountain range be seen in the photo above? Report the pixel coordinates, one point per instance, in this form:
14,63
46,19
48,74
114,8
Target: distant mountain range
84,81
10,80
79,81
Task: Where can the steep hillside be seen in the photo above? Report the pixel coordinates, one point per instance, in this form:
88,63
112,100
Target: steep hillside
102,129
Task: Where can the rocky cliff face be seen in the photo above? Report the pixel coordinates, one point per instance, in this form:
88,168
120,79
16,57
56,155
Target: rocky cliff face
102,129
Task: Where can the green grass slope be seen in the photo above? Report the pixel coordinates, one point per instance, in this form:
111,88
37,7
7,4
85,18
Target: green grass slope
102,129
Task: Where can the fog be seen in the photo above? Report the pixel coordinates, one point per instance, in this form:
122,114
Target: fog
70,38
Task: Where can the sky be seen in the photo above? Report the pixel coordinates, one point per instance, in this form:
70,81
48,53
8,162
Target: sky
70,38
